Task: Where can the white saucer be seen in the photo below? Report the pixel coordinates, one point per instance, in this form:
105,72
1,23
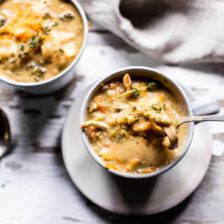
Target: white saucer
127,196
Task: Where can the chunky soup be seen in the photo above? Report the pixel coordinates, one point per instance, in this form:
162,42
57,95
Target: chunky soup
131,124
38,38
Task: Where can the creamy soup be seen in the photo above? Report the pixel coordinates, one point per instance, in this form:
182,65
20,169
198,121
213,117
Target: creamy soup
131,125
38,38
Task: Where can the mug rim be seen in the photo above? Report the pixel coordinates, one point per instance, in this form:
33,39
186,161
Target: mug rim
57,77
96,157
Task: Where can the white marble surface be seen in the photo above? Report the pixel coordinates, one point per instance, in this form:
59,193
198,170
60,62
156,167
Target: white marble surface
34,185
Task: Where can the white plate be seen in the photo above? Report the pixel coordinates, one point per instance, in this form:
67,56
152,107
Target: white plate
127,196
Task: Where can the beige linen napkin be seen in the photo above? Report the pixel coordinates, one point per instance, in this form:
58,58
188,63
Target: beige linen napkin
175,31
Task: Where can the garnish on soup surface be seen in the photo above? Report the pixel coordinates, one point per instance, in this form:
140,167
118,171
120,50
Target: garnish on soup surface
38,38
131,124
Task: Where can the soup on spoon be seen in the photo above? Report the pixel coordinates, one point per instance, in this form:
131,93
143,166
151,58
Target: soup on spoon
131,124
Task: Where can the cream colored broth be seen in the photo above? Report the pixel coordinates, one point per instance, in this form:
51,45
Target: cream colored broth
38,38
126,124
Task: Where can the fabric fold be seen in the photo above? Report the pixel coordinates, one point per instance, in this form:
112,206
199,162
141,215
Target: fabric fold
172,31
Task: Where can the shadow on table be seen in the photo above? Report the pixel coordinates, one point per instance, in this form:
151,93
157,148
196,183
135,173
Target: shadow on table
110,217
38,113
134,192
163,217
130,197
136,195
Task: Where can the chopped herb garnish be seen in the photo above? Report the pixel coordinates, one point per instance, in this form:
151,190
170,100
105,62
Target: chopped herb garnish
35,41
47,15
66,16
37,71
46,30
61,51
158,107
55,24
135,93
21,47
152,85
2,21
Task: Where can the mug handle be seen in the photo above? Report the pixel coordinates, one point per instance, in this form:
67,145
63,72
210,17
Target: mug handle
205,107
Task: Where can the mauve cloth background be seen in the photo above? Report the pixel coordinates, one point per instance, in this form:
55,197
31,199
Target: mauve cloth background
174,31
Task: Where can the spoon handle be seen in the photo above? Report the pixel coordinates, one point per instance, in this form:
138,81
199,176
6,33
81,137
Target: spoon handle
201,118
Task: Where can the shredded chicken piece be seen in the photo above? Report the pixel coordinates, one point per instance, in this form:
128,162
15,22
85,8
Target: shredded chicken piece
171,133
127,81
98,124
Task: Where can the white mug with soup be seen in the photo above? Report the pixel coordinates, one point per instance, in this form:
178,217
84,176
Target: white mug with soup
129,122
40,42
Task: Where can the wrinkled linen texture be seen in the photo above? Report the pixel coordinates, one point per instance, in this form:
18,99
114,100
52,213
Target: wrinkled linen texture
174,31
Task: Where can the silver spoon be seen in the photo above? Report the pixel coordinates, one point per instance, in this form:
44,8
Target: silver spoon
171,131
200,119
5,134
